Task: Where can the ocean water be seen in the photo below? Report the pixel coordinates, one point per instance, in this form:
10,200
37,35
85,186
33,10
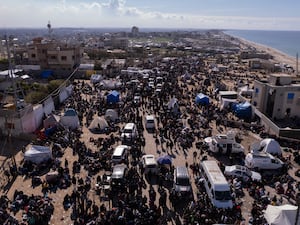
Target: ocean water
285,41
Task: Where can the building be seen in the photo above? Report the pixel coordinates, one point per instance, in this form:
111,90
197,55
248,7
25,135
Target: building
134,31
54,55
117,42
278,97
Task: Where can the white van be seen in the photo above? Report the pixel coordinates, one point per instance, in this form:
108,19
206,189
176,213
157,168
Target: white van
182,184
120,154
263,161
150,164
150,122
129,133
216,185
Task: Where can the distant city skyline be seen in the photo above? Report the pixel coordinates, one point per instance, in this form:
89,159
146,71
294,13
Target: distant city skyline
198,14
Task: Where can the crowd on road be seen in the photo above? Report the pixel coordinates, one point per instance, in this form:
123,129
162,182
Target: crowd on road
142,198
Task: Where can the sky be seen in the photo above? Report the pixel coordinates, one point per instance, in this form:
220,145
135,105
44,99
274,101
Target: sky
198,14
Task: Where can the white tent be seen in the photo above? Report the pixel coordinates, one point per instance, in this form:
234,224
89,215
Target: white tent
225,102
51,121
111,115
279,215
70,119
98,123
268,145
38,154
96,78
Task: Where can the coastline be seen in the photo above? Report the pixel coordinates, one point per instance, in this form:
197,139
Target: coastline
278,56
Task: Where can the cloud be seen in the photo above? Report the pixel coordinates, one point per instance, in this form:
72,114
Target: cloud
117,13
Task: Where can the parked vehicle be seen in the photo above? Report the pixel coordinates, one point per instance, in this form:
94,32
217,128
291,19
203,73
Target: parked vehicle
263,161
129,133
224,143
216,185
182,184
242,172
150,122
150,164
120,154
118,176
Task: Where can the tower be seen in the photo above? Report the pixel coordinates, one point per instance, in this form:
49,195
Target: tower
297,61
49,28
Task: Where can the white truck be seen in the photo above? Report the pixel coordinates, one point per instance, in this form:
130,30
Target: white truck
263,161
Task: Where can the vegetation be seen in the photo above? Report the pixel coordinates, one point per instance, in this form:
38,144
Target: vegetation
35,92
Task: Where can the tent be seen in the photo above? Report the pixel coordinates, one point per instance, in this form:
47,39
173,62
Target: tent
111,115
38,154
113,97
202,99
51,121
96,78
243,110
46,73
98,123
110,84
165,159
227,102
279,215
271,146
70,119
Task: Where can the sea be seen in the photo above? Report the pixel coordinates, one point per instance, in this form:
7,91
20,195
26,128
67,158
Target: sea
284,41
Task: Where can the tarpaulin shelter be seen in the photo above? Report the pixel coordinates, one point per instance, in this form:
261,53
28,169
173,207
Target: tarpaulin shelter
70,119
202,99
279,215
51,121
165,159
111,115
96,78
98,123
46,73
268,145
113,97
38,154
242,110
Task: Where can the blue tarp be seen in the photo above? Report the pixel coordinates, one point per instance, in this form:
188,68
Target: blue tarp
113,97
202,99
242,110
70,112
46,73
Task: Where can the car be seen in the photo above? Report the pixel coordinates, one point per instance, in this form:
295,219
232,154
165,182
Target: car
150,164
159,86
137,100
129,133
118,177
150,122
242,172
151,84
120,154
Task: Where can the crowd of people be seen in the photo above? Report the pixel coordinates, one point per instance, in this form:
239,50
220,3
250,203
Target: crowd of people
180,127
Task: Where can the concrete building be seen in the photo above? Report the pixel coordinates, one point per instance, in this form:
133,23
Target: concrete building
54,55
134,31
278,97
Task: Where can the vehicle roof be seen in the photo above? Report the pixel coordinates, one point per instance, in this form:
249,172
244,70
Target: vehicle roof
150,117
118,170
119,149
214,172
129,125
236,167
149,159
182,171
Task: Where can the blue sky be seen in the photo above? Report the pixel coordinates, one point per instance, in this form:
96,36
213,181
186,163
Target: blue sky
220,14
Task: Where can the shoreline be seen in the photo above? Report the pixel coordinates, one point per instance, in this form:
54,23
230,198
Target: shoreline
278,56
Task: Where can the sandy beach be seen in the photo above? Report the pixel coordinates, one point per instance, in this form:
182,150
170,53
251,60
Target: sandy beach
279,56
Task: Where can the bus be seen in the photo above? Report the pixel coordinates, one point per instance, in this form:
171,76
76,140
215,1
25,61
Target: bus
216,185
